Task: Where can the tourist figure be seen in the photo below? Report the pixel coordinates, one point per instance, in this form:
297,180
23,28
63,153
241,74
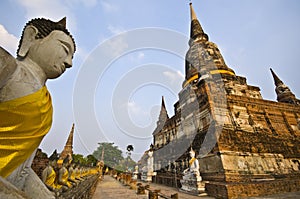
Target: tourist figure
45,51
49,176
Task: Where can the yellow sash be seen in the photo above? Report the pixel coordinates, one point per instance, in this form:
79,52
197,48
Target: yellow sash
51,180
192,161
65,178
23,124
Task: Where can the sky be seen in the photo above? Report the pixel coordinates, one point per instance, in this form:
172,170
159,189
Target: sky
131,53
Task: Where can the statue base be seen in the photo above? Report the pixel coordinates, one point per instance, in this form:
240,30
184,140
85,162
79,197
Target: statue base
147,177
135,176
192,184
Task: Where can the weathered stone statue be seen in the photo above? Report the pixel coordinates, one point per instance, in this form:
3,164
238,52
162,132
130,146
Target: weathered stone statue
63,174
150,161
136,172
45,51
49,176
192,181
72,174
193,170
148,172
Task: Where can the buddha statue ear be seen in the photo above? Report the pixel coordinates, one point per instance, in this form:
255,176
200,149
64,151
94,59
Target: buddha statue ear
28,38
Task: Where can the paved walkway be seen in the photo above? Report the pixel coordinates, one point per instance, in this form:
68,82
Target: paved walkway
110,188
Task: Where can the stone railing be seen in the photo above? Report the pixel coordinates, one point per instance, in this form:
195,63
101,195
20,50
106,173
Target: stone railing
168,179
83,190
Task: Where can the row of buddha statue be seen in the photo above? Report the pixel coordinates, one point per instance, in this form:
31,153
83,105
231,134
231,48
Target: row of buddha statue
61,175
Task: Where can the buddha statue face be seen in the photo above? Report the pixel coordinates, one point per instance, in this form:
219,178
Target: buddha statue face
53,53
48,45
150,153
192,154
52,163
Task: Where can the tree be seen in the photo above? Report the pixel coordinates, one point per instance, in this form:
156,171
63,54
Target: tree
91,160
78,158
112,156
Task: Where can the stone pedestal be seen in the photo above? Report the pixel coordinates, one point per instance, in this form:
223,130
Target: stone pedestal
147,177
192,184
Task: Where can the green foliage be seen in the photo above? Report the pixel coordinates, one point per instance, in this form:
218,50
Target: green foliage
78,158
112,156
89,160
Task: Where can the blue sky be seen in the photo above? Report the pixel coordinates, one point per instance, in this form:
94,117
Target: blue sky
253,35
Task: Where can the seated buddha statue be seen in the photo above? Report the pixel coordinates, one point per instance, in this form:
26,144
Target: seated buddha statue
193,170
45,51
72,174
49,176
63,174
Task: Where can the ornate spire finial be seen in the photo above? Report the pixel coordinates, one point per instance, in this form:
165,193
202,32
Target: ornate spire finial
163,102
163,115
197,32
193,14
284,94
276,78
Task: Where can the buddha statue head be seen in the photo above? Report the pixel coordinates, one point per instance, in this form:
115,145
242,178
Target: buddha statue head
53,158
192,153
47,44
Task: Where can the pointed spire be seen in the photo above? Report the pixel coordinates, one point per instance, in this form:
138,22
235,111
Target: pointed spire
193,14
163,115
276,78
197,32
70,138
284,94
68,149
163,103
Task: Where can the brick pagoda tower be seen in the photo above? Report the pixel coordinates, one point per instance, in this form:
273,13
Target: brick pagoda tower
246,146
68,148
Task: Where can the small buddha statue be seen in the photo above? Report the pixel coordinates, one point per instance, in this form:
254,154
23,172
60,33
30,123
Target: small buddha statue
72,174
193,170
150,161
49,176
45,51
191,181
77,173
63,174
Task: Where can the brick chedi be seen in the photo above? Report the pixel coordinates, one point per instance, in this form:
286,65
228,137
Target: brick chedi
68,148
247,146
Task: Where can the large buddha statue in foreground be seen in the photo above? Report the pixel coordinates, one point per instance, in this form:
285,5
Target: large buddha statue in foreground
45,51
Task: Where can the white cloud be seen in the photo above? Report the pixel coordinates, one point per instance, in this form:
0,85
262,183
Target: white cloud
81,53
117,46
8,41
136,57
108,7
141,56
54,9
174,76
115,30
88,3
134,108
